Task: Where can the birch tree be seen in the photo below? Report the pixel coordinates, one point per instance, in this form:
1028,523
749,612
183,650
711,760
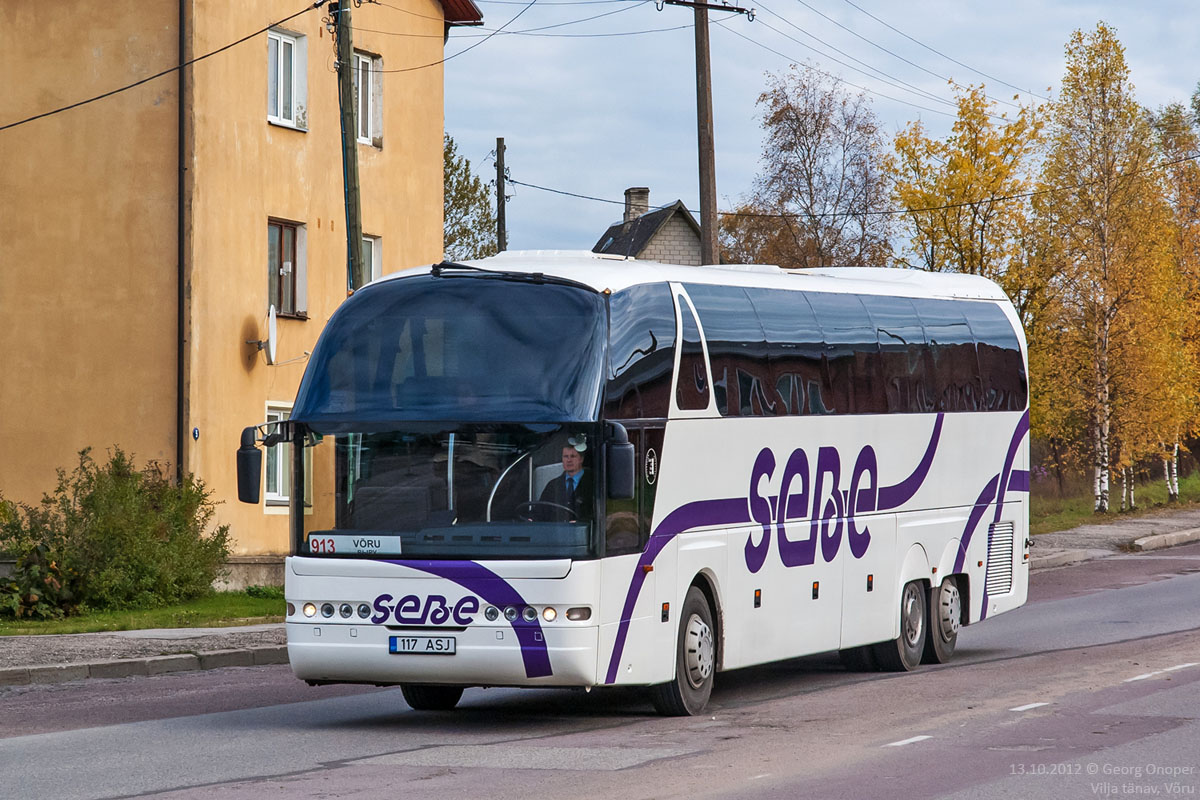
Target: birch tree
1105,209
964,194
469,223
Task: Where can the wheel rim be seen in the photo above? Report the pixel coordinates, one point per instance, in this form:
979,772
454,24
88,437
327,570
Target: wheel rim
950,612
699,650
911,617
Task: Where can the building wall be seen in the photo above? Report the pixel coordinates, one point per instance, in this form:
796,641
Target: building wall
87,238
245,171
675,243
88,226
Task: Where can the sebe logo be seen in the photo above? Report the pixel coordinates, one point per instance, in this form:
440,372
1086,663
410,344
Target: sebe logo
436,610
816,494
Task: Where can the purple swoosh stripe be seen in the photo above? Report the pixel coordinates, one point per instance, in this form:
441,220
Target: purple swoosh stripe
981,503
735,511
1014,443
496,591
1019,481
896,496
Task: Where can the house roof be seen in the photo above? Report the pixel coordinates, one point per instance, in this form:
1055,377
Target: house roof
462,12
630,238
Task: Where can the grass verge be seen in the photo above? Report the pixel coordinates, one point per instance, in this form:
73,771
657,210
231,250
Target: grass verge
220,609
1048,514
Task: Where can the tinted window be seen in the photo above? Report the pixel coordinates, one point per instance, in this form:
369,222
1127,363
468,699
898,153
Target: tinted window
457,348
953,361
851,354
1001,367
902,354
691,391
641,352
737,352
795,350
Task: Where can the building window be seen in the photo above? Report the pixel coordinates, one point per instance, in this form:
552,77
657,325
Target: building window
372,256
286,81
368,73
285,268
279,464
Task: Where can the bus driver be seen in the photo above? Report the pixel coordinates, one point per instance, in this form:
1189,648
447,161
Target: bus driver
573,489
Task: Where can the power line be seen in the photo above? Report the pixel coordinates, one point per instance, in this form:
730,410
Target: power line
465,50
943,55
485,31
135,84
831,76
896,55
888,212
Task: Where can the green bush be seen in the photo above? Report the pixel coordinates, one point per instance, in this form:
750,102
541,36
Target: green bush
265,592
111,536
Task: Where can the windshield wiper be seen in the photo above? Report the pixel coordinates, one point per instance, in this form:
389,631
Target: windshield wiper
454,269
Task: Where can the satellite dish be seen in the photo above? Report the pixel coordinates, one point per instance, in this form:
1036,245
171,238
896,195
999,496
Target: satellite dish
272,335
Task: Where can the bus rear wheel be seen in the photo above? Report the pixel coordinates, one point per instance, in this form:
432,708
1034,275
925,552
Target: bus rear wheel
945,617
903,653
695,661
425,697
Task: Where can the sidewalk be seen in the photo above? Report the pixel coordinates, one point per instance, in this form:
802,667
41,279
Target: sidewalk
60,658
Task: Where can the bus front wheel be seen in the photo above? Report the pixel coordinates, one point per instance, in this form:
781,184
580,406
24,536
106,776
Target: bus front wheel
904,652
695,661
423,697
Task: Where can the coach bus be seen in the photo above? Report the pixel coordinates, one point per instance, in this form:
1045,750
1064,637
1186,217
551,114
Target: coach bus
569,469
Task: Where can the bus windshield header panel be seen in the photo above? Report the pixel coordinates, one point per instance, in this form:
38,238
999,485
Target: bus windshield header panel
457,348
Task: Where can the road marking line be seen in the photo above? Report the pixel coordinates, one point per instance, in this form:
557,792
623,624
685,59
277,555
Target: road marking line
903,742
1162,671
1028,706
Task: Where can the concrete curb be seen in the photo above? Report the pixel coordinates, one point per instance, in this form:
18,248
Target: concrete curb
1062,558
1161,540
154,665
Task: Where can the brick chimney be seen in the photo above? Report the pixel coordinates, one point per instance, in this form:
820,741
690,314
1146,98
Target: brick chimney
637,202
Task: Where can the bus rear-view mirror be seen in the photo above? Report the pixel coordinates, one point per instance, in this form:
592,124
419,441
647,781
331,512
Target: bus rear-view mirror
249,467
620,461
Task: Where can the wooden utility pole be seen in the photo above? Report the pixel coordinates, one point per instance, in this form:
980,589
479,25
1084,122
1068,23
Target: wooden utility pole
356,270
704,128
501,228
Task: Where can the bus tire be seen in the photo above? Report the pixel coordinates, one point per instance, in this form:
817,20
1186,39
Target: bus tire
426,697
695,661
945,617
858,659
903,653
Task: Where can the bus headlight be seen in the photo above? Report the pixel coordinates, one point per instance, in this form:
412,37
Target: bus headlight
310,609
491,613
511,613
529,614
549,614
346,610
326,610
291,609
579,614
364,610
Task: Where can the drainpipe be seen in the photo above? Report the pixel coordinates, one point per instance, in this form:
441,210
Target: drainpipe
180,295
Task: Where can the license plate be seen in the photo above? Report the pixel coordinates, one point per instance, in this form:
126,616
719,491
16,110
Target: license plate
422,645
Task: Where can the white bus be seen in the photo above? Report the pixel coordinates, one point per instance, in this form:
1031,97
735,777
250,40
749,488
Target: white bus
767,464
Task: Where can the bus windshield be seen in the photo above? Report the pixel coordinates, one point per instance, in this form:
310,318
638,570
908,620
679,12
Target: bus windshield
463,491
463,349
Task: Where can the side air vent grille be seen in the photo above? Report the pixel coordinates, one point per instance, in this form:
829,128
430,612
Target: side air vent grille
1000,558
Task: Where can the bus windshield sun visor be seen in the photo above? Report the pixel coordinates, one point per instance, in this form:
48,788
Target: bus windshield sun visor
424,348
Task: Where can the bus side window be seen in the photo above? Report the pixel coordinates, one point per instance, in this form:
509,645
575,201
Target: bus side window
1005,386
737,352
641,353
794,349
954,364
691,387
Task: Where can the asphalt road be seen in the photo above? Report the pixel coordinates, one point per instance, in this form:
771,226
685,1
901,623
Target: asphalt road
1091,690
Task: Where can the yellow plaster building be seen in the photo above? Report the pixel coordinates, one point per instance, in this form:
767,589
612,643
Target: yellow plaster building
144,235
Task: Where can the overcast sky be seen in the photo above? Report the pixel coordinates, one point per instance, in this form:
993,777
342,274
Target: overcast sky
594,115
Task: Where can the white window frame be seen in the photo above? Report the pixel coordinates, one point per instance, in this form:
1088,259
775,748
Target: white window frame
373,256
278,460
370,104
297,116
